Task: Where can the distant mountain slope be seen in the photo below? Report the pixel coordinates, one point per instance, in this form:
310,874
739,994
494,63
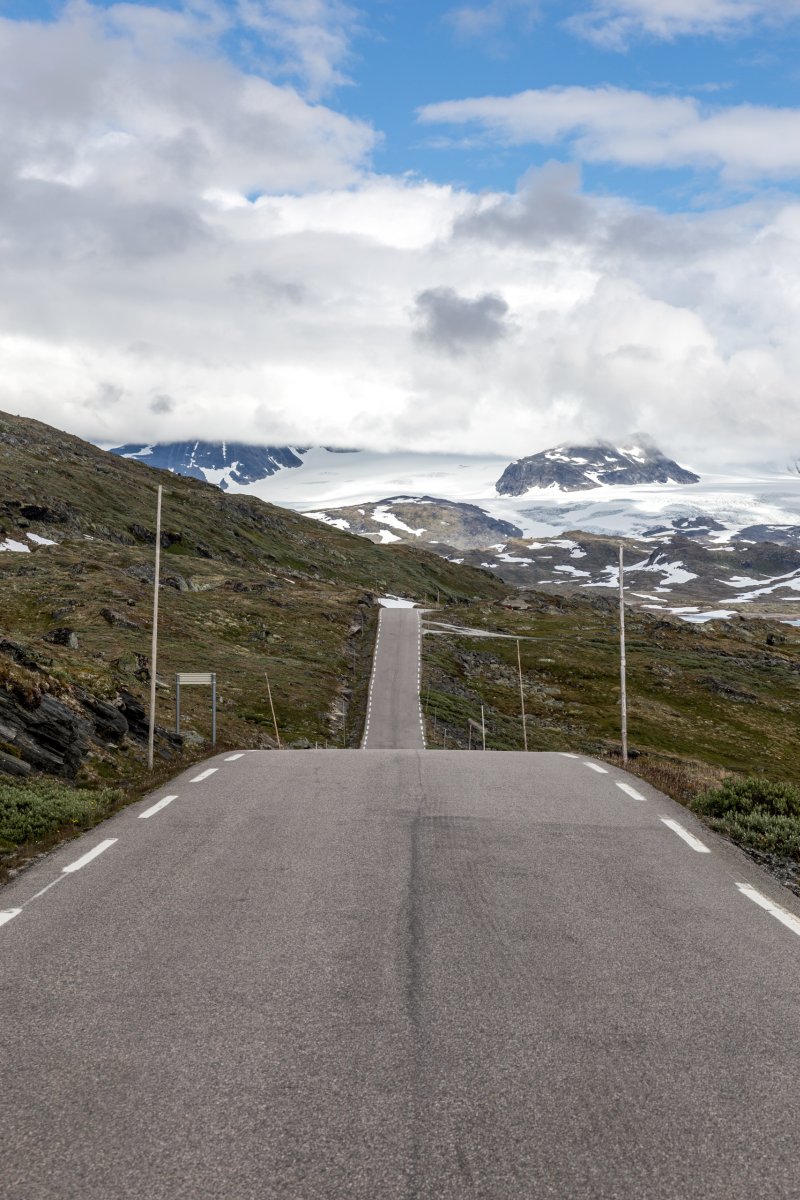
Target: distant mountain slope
245,587
578,468
221,463
666,571
440,524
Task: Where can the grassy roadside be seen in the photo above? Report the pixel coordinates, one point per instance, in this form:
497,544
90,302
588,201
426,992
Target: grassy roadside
709,706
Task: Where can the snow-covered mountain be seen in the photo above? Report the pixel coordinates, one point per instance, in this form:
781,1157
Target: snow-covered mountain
222,463
760,504
581,468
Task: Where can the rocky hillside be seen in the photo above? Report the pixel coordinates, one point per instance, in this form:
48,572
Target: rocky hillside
674,572
246,588
444,525
579,468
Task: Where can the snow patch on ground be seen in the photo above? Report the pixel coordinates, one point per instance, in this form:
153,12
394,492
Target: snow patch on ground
395,602
17,547
382,515
335,522
41,541
386,536
566,569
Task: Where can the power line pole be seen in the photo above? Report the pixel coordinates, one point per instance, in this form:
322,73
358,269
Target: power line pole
154,648
623,694
522,698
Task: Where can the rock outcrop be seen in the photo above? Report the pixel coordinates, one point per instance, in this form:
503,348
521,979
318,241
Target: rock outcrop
578,468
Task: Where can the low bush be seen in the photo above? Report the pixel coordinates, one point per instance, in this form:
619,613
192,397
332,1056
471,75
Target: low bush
755,813
32,812
751,795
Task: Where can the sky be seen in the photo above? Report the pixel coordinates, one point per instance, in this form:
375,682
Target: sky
482,227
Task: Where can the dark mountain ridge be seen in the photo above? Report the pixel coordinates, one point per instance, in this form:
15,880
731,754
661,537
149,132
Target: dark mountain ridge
579,468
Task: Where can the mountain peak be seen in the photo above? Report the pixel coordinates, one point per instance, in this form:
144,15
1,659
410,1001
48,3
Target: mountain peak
599,464
222,463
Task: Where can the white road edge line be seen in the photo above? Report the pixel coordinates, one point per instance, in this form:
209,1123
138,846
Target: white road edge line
689,838
595,767
204,775
233,757
786,918
9,915
87,858
630,791
150,812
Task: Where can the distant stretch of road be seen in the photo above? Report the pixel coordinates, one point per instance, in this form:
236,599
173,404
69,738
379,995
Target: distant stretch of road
399,975
394,718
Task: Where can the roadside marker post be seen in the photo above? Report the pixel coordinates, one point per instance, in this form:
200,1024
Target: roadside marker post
151,730
522,698
197,679
623,694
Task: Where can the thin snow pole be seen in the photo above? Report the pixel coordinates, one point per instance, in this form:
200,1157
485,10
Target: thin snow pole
151,731
274,718
483,728
623,694
522,698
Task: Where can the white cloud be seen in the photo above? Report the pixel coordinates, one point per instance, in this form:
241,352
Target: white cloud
615,23
482,20
635,129
309,39
147,293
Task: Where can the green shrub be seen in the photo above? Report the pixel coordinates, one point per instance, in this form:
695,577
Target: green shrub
754,812
30,812
752,795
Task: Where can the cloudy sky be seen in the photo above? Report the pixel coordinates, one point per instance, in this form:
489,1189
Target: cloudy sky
484,227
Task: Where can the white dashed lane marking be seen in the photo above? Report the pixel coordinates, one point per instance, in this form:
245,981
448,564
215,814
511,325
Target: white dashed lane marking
204,775
594,767
689,838
8,915
780,914
151,812
87,858
233,757
630,791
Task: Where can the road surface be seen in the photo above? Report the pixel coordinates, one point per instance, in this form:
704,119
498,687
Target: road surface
399,975
394,717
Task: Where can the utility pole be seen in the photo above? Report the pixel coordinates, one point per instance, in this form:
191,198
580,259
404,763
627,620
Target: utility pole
154,648
623,694
522,698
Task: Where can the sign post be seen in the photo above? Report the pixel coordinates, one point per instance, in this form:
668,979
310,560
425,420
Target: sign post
197,679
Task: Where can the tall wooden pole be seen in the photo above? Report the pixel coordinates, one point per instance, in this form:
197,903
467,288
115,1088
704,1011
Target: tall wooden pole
154,649
522,698
623,695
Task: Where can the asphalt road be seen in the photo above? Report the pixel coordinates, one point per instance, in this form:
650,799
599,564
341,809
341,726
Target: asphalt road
394,718
398,975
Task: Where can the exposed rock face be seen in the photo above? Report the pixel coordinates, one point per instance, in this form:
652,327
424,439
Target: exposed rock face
240,464
578,468
117,618
48,736
415,520
62,637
